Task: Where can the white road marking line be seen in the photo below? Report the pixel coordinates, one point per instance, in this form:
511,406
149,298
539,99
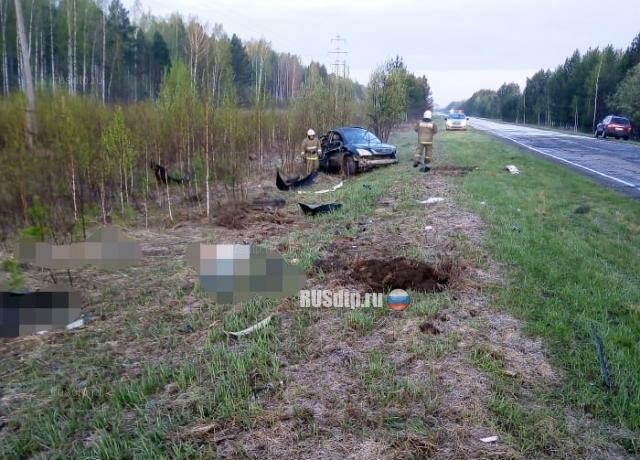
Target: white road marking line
628,184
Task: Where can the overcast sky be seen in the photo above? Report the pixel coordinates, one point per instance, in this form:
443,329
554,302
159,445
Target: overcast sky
460,45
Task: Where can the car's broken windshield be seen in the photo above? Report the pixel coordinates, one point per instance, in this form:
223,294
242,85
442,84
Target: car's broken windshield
360,136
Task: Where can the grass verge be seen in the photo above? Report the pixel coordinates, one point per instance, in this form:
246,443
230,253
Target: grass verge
569,271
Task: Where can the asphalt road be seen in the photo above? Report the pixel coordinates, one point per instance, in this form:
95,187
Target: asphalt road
615,164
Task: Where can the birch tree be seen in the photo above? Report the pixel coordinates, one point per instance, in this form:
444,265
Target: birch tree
27,77
197,47
5,66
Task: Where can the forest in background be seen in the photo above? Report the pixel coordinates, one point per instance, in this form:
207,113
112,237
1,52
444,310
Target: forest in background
576,95
117,92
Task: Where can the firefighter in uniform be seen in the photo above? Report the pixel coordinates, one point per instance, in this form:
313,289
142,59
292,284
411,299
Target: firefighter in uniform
426,129
311,151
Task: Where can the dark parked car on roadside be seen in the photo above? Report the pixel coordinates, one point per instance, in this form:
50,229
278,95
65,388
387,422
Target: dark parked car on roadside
353,149
614,126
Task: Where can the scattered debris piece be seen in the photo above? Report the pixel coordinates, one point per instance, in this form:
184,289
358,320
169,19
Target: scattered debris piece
295,182
483,203
489,439
327,190
433,199
604,369
211,431
251,329
312,210
428,228
512,169
203,429
75,324
583,210
516,228
509,373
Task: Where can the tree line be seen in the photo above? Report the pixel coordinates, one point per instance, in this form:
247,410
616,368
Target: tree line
118,94
576,95
78,47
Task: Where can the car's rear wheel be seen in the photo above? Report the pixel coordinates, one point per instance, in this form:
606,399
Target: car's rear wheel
626,138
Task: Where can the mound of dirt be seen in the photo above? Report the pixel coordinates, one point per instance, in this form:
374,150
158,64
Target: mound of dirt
399,273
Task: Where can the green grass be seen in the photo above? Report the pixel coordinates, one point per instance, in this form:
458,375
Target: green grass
89,410
387,390
566,271
93,408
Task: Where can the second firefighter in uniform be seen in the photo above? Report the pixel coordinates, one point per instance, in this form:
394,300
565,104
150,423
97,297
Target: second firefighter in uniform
311,151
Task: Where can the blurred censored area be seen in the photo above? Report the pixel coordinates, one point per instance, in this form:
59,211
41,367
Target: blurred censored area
26,313
231,273
108,248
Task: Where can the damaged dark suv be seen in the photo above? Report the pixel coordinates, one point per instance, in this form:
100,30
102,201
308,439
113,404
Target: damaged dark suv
353,149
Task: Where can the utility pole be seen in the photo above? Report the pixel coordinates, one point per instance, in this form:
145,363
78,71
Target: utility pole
340,63
595,98
524,112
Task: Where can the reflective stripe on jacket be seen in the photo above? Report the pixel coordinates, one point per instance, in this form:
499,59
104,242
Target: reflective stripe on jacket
426,130
311,146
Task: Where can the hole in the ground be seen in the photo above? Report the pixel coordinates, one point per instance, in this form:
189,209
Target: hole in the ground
400,273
